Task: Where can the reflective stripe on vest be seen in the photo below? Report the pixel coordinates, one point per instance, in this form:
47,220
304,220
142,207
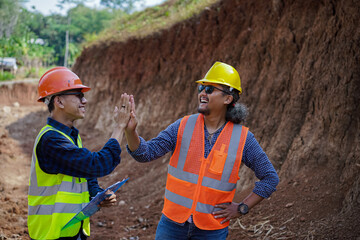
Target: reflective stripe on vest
53,199
56,208
195,186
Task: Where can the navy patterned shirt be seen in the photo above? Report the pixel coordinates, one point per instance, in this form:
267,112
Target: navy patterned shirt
253,155
56,154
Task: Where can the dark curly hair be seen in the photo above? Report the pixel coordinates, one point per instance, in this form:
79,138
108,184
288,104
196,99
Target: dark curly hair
236,112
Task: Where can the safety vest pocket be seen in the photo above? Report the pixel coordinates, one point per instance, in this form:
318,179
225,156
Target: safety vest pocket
218,161
71,198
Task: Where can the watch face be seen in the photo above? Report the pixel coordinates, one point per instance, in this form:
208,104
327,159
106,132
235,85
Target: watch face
243,208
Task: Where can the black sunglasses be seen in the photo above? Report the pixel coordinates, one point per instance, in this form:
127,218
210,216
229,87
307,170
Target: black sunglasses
209,89
80,95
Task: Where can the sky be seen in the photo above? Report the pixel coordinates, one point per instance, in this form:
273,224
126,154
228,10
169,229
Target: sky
47,7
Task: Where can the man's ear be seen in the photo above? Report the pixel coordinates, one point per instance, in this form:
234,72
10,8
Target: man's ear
229,99
58,102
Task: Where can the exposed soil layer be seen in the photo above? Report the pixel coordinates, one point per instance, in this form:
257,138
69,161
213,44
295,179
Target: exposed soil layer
299,66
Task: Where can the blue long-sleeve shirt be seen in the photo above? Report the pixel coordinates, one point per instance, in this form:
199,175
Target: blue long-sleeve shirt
253,155
56,154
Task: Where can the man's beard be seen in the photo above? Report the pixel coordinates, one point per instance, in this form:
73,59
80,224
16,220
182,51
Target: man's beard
206,111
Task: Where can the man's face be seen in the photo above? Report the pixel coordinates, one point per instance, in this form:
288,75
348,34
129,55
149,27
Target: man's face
74,104
211,98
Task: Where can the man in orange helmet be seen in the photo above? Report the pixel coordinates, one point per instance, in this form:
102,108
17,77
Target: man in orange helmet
207,150
63,173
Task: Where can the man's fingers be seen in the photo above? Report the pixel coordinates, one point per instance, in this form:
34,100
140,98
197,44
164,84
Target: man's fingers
226,219
124,100
219,212
221,215
223,206
132,114
132,102
109,201
127,103
111,198
116,111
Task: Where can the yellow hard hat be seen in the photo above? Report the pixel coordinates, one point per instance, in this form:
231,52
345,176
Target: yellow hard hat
222,73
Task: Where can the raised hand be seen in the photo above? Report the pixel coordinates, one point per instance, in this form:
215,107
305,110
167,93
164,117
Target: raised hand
131,126
130,131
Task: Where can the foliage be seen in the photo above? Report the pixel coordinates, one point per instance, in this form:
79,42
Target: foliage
9,12
80,22
4,76
31,73
85,20
126,5
61,2
21,42
36,40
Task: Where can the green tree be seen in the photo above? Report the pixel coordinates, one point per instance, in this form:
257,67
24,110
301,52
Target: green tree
127,6
9,13
19,29
85,20
81,21
54,33
32,37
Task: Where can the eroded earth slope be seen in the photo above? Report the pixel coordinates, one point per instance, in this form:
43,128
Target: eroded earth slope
299,65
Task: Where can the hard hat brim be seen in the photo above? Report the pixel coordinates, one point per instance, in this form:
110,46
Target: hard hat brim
79,86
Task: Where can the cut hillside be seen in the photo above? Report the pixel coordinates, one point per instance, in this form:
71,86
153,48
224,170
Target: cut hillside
299,66
298,61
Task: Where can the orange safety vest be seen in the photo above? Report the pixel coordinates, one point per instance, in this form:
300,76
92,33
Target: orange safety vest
196,184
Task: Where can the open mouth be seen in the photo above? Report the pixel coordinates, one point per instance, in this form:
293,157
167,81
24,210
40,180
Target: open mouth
204,100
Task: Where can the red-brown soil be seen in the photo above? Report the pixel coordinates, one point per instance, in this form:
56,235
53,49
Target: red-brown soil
299,65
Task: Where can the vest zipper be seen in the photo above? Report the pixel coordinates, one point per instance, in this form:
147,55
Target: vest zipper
204,162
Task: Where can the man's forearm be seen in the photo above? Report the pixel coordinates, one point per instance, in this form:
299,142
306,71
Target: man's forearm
132,139
118,134
93,186
252,199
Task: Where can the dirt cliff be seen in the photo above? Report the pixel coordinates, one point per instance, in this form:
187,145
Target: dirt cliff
299,66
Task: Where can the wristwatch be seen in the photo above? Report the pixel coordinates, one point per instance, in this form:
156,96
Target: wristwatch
243,208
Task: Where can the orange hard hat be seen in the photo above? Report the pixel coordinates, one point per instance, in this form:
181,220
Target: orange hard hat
57,80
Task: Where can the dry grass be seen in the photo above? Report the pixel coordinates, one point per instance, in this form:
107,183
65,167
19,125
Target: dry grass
151,20
264,229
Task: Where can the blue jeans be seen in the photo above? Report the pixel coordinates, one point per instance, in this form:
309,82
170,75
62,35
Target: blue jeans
170,230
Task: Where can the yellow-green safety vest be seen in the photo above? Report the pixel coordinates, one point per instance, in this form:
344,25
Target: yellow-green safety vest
53,199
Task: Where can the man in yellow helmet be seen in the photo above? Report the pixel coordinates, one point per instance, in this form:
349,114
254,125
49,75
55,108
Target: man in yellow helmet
207,150
63,173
